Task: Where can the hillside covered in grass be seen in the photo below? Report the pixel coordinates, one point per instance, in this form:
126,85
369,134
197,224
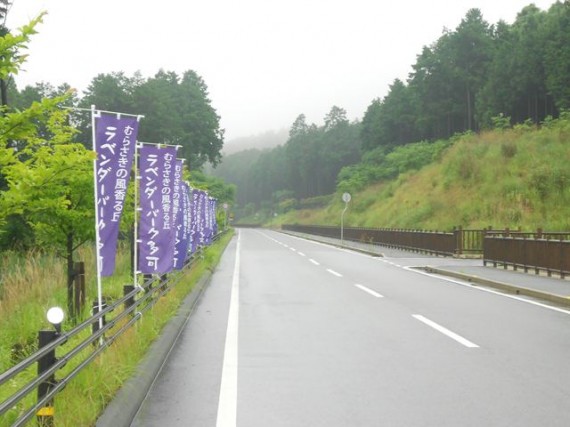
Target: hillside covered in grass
514,177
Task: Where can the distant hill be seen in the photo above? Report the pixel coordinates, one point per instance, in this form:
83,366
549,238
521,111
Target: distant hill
504,178
269,139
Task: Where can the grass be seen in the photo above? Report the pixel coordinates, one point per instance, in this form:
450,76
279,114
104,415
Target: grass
517,178
83,399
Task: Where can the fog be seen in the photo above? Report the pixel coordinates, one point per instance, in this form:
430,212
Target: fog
265,62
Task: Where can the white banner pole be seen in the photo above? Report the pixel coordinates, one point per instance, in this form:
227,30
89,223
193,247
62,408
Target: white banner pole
137,210
96,195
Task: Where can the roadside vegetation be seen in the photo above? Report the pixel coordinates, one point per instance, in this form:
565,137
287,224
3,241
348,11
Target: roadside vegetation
514,177
31,285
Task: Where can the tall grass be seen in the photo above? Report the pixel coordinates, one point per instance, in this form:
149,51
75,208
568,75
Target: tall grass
22,314
84,399
36,281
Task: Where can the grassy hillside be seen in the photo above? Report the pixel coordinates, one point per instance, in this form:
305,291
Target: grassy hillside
505,178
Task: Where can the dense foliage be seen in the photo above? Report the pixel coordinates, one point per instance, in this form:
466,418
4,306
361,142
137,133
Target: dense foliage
306,166
474,73
516,178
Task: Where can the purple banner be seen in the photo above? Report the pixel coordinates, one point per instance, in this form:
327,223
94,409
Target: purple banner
183,229
194,218
214,219
156,226
209,220
202,199
180,204
115,140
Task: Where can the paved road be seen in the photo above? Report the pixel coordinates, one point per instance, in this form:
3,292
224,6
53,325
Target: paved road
329,337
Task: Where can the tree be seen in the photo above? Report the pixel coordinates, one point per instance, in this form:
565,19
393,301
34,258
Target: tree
392,121
50,184
371,133
5,6
557,54
177,111
48,178
471,46
338,146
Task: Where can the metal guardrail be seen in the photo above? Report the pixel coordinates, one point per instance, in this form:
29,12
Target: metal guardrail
98,341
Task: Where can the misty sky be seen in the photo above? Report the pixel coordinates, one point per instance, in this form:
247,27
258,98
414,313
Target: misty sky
264,61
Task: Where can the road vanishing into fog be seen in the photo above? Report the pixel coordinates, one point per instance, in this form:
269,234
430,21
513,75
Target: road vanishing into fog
296,333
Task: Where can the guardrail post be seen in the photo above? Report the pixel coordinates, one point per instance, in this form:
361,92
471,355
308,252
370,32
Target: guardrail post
458,240
146,278
127,289
46,412
79,288
95,325
163,282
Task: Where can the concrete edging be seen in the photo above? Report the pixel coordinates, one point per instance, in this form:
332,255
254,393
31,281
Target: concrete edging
514,289
122,410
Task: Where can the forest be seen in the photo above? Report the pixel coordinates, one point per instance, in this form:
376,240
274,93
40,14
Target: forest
478,76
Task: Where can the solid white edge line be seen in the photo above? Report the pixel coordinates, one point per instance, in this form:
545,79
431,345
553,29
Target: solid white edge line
491,291
227,404
368,290
334,272
445,331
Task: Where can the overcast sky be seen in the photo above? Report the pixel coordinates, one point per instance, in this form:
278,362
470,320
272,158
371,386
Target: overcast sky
264,61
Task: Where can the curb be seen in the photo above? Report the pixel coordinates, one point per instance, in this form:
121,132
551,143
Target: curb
122,410
514,289
336,245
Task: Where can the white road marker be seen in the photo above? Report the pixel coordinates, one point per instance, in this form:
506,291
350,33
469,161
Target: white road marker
227,404
313,261
334,272
301,253
445,331
368,290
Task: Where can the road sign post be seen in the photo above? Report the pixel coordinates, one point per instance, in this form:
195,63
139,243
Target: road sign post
345,198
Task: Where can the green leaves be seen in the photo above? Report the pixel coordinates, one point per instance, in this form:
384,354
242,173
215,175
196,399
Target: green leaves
47,178
177,110
11,47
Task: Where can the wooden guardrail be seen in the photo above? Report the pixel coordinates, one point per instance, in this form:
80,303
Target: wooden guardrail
539,251
456,242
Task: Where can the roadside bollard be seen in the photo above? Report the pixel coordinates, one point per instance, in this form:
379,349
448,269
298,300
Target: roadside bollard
46,412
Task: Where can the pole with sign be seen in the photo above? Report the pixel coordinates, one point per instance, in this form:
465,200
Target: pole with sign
345,198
